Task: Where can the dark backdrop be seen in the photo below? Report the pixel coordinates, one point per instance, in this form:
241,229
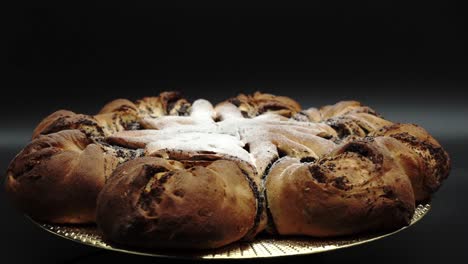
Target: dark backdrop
407,61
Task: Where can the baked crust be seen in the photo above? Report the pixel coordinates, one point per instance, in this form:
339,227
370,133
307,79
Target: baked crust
259,103
167,103
57,177
425,162
356,188
44,125
153,202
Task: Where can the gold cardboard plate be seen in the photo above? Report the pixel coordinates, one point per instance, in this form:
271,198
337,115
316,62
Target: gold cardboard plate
262,247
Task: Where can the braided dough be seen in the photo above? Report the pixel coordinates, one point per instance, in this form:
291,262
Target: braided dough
166,173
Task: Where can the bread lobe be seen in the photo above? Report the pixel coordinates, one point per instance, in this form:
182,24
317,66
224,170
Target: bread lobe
197,207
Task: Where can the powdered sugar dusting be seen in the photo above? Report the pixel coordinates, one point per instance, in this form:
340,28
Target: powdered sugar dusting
196,141
264,136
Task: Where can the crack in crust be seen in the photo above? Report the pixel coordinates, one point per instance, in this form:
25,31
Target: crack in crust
153,190
259,197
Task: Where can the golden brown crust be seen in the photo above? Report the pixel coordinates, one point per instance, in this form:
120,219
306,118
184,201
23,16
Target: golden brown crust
114,122
359,125
47,122
167,103
350,118
114,117
151,202
356,188
259,103
117,115
424,160
66,120
344,108
57,177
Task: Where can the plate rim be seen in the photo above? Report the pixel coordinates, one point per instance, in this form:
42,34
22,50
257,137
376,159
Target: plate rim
424,210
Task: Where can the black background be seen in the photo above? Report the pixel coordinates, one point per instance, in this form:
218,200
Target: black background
407,61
